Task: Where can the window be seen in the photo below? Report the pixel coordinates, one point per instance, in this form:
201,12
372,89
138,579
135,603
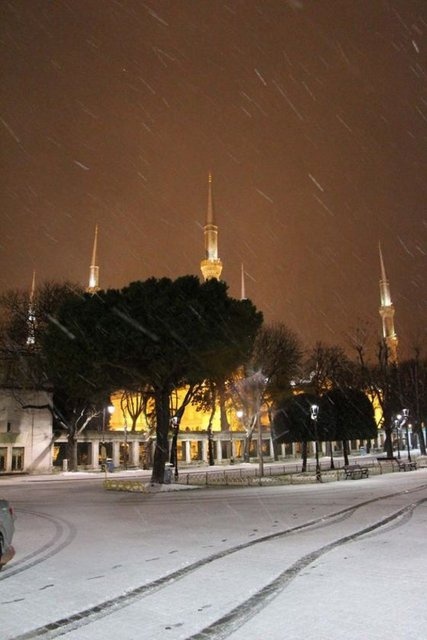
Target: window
3,458
17,458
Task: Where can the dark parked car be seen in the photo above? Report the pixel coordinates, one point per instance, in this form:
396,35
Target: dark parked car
7,529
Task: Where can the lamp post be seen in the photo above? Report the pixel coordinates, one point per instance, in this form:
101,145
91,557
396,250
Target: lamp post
231,446
405,413
314,416
175,426
260,452
125,457
397,426
106,410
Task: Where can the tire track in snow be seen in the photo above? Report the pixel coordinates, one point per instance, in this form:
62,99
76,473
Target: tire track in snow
228,623
64,533
235,619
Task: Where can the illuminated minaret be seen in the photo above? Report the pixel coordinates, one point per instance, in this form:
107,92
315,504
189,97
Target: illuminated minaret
387,313
31,320
94,269
211,266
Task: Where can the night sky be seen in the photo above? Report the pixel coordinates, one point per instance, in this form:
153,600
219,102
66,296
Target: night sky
310,114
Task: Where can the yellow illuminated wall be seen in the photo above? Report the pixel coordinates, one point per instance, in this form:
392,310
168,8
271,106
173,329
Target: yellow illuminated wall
192,419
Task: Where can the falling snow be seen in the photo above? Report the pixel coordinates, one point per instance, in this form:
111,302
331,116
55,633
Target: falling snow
311,117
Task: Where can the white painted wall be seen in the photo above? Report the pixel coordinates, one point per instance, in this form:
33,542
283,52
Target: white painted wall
27,429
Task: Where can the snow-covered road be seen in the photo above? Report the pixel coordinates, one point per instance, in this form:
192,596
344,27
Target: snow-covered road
344,559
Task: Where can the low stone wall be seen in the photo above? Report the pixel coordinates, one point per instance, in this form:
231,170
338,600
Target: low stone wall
126,485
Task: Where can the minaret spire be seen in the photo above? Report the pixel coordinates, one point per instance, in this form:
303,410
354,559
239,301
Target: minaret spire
31,321
211,266
387,312
94,269
210,213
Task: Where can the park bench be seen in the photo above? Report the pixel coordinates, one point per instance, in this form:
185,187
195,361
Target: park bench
406,465
355,471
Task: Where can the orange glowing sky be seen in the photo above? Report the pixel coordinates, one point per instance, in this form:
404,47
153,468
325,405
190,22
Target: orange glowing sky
311,116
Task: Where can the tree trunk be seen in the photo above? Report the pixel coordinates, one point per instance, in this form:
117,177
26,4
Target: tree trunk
72,452
345,451
420,434
276,450
304,456
331,452
211,456
161,453
223,413
249,428
388,442
246,450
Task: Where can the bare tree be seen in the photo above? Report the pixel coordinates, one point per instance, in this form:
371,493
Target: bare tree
413,392
249,392
135,403
329,367
266,377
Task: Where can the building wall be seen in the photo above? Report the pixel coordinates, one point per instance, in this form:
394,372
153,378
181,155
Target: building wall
25,434
192,420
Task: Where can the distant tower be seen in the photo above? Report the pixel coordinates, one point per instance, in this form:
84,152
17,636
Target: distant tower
94,269
211,266
387,313
31,320
243,288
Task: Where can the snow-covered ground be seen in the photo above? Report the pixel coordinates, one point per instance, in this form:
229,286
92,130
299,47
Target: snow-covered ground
333,560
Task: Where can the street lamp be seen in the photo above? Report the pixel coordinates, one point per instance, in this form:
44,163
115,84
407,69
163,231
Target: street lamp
106,410
175,426
125,457
405,418
314,416
260,452
231,446
397,427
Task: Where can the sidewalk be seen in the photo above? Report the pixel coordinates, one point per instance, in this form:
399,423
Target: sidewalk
291,466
